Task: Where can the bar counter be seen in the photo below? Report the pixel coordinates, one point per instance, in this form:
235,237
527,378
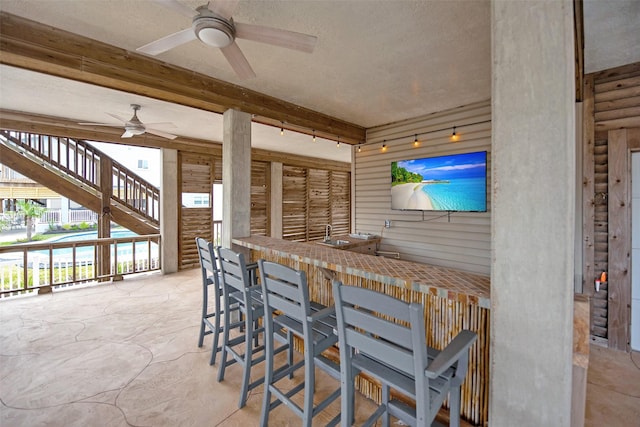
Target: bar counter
453,300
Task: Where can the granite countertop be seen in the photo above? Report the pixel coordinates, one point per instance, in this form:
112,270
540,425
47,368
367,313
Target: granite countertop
440,281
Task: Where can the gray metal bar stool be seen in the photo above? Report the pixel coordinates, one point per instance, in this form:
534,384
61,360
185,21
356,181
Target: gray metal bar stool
287,306
211,288
243,349
385,338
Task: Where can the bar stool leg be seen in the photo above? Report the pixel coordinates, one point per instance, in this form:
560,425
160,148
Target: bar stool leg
246,363
225,339
309,387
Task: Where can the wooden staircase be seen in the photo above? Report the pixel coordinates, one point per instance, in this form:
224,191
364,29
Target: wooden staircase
84,174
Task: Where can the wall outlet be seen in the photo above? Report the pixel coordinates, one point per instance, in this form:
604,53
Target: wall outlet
387,223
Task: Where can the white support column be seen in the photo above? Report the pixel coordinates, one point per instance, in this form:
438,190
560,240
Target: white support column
533,204
236,176
169,203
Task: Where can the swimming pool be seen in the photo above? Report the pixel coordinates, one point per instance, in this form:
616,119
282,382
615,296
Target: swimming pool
91,235
87,252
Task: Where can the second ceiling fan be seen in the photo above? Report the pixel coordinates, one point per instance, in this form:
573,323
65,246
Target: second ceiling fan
213,25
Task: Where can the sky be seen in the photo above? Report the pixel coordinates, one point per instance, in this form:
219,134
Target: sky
456,166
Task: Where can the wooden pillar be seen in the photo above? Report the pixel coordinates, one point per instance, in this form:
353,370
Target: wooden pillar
104,216
236,176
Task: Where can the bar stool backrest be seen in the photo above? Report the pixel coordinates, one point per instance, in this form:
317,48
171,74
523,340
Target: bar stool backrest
385,337
210,322
390,330
234,271
286,290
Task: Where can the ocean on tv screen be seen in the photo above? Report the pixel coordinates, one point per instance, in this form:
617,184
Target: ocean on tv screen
454,182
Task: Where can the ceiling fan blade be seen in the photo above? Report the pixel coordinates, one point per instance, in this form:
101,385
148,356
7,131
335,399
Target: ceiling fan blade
99,124
178,7
224,8
126,134
115,116
168,42
160,133
168,124
276,36
238,61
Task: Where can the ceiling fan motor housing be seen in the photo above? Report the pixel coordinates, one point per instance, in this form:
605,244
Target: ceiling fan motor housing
212,29
134,126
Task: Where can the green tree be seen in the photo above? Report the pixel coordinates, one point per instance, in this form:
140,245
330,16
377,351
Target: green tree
402,176
30,210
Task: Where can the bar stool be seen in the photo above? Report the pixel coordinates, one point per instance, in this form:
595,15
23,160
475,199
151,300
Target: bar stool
375,339
287,306
243,349
211,287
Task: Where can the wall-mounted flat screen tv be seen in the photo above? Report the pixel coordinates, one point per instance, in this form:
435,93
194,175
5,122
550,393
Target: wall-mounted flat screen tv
452,183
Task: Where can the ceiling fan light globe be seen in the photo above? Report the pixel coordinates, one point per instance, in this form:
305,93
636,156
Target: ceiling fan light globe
134,130
214,37
214,31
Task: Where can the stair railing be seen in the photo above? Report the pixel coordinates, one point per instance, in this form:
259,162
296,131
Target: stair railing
80,160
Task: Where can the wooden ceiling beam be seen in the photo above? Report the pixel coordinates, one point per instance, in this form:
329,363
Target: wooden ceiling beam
46,125
45,49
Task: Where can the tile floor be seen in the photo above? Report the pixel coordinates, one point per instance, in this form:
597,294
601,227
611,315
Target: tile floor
126,354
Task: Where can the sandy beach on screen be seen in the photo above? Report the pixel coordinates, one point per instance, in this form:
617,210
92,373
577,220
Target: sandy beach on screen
410,196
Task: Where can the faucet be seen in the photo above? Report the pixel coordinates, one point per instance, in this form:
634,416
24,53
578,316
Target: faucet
327,232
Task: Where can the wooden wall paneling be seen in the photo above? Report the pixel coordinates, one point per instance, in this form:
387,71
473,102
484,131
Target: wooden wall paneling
196,172
294,203
619,241
616,103
617,98
341,202
578,35
319,203
313,198
588,208
618,73
600,197
260,197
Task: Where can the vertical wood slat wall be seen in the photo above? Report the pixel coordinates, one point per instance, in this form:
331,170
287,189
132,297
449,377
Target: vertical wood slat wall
313,198
459,240
260,198
196,175
612,101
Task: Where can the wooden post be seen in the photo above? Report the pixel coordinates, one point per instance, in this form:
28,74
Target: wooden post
103,256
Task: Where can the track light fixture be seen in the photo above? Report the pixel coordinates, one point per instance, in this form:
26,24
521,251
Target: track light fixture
281,128
314,135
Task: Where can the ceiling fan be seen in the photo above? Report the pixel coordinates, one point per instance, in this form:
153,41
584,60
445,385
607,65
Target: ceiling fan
213,25
134,126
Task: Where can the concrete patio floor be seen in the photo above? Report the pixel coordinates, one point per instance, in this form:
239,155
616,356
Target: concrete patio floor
125,354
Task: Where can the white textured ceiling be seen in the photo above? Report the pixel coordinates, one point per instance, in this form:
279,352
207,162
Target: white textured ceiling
375,62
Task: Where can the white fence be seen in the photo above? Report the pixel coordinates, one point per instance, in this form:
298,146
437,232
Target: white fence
27,268
74,216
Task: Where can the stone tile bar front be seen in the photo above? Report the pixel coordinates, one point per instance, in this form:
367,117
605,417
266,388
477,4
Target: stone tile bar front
453,300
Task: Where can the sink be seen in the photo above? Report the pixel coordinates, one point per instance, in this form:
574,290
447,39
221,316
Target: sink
334,242
363,236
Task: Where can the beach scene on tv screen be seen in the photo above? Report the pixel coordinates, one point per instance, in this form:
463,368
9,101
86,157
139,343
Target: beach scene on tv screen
446,183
